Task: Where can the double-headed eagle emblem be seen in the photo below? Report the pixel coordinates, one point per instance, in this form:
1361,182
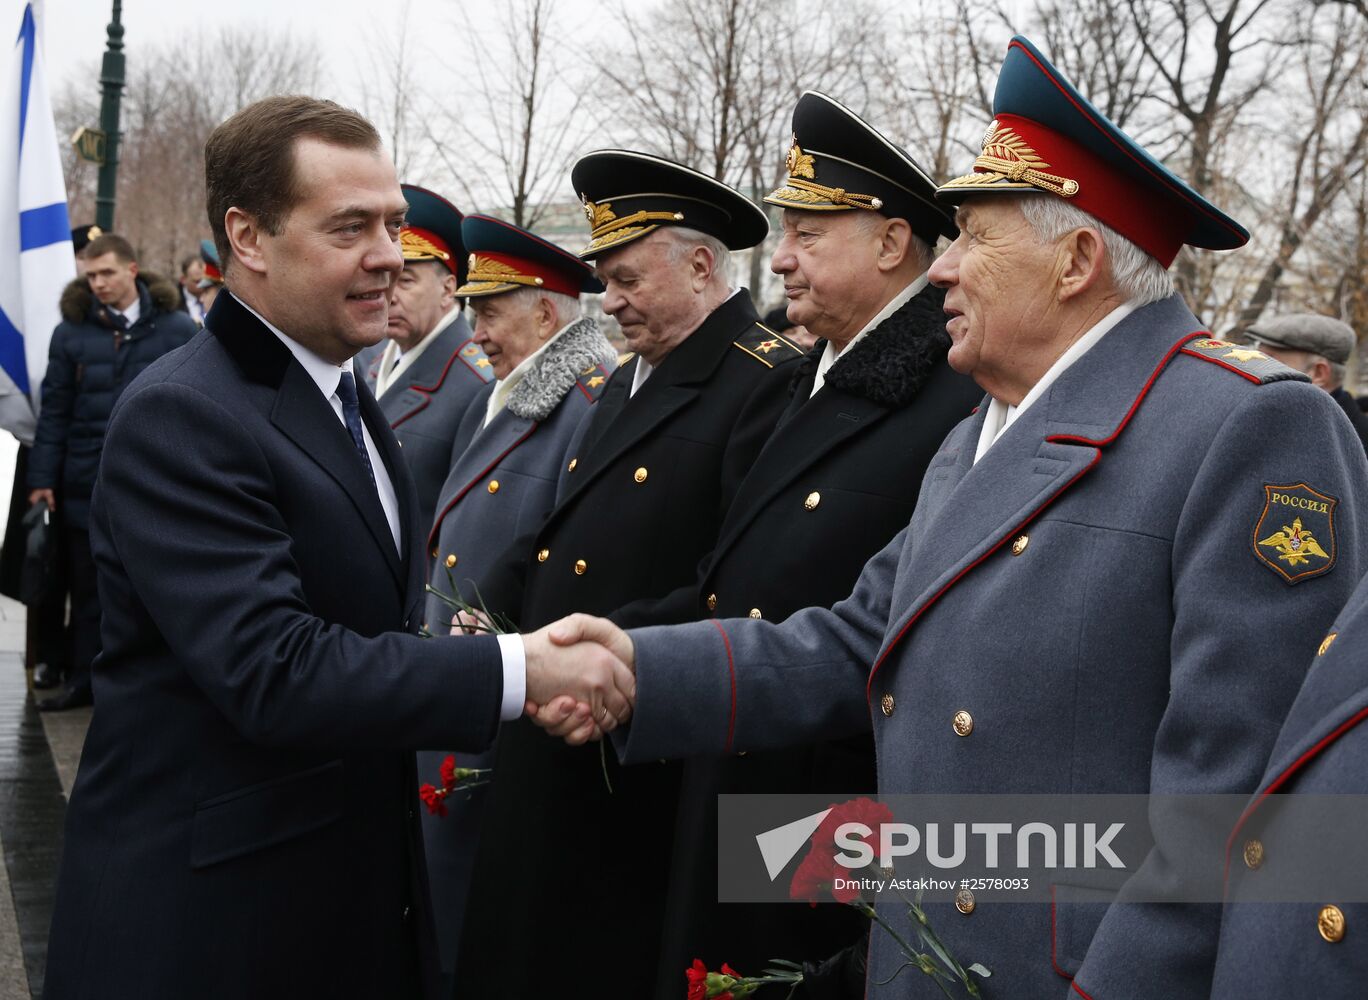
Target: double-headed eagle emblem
1295,545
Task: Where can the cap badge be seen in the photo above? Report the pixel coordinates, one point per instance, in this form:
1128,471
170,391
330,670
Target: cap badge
598,215
799,164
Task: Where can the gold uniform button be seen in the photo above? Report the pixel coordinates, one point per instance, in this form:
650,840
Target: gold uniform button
580,567
964,902
963,723
640,474
886,704
812,500
712,602
543,555
493,486
451,560
755,613
571,467
1330,923
1325,644
433,553
1253,854
1019,544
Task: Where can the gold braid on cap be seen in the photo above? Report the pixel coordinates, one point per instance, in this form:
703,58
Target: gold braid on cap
802,185
418,247
1007,156
606,229
483,269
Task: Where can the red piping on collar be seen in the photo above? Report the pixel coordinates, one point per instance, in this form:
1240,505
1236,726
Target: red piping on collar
1055,439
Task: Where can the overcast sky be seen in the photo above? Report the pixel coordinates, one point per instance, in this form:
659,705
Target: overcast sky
341,29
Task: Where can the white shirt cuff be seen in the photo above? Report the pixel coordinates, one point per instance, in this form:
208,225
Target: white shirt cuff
514,676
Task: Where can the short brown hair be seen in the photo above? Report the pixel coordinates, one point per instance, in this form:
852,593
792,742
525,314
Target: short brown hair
111,243
249,159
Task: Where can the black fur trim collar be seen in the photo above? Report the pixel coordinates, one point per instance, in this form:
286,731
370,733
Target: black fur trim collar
895,359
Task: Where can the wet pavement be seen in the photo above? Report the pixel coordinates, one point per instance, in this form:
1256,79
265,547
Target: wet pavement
38,757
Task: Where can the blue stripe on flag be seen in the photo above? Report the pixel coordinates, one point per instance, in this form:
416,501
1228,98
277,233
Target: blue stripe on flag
27,33
12,354
40,227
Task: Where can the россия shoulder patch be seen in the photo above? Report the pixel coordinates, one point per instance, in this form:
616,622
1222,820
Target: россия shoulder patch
1295,534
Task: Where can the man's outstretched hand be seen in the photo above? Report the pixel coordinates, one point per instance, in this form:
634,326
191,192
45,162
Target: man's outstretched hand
565,713
580,680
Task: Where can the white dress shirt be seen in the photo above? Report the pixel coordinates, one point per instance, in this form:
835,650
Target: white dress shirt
326,376
830,356
1001,415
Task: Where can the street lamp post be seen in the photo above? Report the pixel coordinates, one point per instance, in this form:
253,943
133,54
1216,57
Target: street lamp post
111,90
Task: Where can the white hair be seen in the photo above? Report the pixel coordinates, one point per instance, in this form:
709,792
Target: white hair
1138,277
567,307
683,240
918,250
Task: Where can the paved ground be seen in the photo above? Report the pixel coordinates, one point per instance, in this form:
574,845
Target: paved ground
38,757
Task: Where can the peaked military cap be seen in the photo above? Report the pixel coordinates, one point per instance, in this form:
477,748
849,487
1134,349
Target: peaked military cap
839,162
504,257
1046,137
213,270
432,230
627,195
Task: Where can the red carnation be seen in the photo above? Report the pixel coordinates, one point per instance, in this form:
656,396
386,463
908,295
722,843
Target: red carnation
448,772
818,871
432,798
697,975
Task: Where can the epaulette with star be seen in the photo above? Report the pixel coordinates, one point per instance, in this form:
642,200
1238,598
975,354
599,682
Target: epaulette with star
592,380
767,346
474,358
1248,362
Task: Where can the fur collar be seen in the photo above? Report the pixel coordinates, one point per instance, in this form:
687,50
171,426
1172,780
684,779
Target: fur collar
579,347
79,304
895,359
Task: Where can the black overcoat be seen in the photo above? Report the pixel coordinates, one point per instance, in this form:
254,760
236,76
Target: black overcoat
243,823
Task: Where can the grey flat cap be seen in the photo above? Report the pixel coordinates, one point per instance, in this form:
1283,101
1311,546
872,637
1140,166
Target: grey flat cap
1312,332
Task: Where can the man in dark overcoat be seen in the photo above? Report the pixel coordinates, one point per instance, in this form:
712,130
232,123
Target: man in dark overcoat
243,823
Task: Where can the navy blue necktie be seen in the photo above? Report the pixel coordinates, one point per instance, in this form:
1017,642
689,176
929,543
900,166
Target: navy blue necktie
351,413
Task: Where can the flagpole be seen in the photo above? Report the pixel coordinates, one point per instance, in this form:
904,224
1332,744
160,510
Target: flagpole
111,91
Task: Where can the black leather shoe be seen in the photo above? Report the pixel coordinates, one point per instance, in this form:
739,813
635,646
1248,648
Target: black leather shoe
72,697
46,676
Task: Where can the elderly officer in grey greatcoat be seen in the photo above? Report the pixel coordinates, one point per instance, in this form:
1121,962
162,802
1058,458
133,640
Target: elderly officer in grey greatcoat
1313,943
837,479
643,491
550,364
430,367
1096,593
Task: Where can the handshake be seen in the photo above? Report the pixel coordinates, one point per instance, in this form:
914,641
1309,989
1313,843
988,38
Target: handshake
581,680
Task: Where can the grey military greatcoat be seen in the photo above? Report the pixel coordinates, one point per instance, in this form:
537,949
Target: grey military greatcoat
1070,614
425,404
1317,945
499,487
